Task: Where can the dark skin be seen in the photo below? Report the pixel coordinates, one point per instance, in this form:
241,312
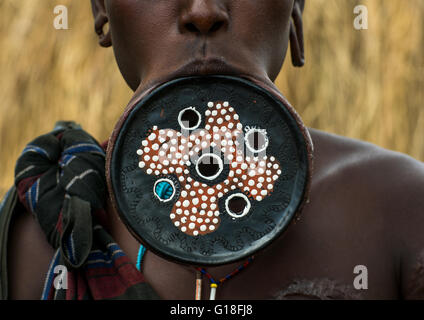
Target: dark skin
366,203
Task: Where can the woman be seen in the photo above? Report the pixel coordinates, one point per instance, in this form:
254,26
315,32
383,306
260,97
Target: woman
365,202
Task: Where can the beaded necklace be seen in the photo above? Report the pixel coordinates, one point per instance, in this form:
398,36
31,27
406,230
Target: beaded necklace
213,283
200,272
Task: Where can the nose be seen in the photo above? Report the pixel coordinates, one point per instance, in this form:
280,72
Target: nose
204,17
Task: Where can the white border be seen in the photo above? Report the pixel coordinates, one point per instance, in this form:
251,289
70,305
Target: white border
220,164
191,128
171,183
253,130
246,209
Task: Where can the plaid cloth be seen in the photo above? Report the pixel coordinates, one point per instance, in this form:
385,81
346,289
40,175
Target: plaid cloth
60,179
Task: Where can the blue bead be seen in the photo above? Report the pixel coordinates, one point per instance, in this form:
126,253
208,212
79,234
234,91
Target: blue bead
164,190
140,256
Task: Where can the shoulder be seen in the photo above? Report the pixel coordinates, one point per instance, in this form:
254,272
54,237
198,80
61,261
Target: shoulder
388,187
391,180
381,169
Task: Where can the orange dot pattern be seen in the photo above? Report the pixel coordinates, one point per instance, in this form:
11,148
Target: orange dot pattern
166,151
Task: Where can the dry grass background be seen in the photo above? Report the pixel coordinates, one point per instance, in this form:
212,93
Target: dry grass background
362,84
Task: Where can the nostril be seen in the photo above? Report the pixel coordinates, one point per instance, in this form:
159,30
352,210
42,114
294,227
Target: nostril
203,21
191,28
216,26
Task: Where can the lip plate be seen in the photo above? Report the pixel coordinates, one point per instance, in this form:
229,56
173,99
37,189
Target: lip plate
301,183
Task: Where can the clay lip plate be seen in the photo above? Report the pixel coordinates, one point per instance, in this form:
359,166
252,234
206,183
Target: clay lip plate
130,188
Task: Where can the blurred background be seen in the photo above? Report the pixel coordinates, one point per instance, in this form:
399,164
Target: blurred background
366,84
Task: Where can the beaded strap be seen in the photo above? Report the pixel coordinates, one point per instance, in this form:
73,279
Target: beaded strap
140,256
214,284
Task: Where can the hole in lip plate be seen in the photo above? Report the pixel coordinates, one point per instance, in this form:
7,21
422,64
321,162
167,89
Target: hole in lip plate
209,166
256,140
237,205
164,190
189,118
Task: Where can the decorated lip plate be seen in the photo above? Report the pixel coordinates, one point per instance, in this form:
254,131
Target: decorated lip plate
208,170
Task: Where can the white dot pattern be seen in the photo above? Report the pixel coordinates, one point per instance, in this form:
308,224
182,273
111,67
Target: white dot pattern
167,150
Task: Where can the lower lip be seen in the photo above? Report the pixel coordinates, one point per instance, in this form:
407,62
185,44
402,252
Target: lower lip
208,67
